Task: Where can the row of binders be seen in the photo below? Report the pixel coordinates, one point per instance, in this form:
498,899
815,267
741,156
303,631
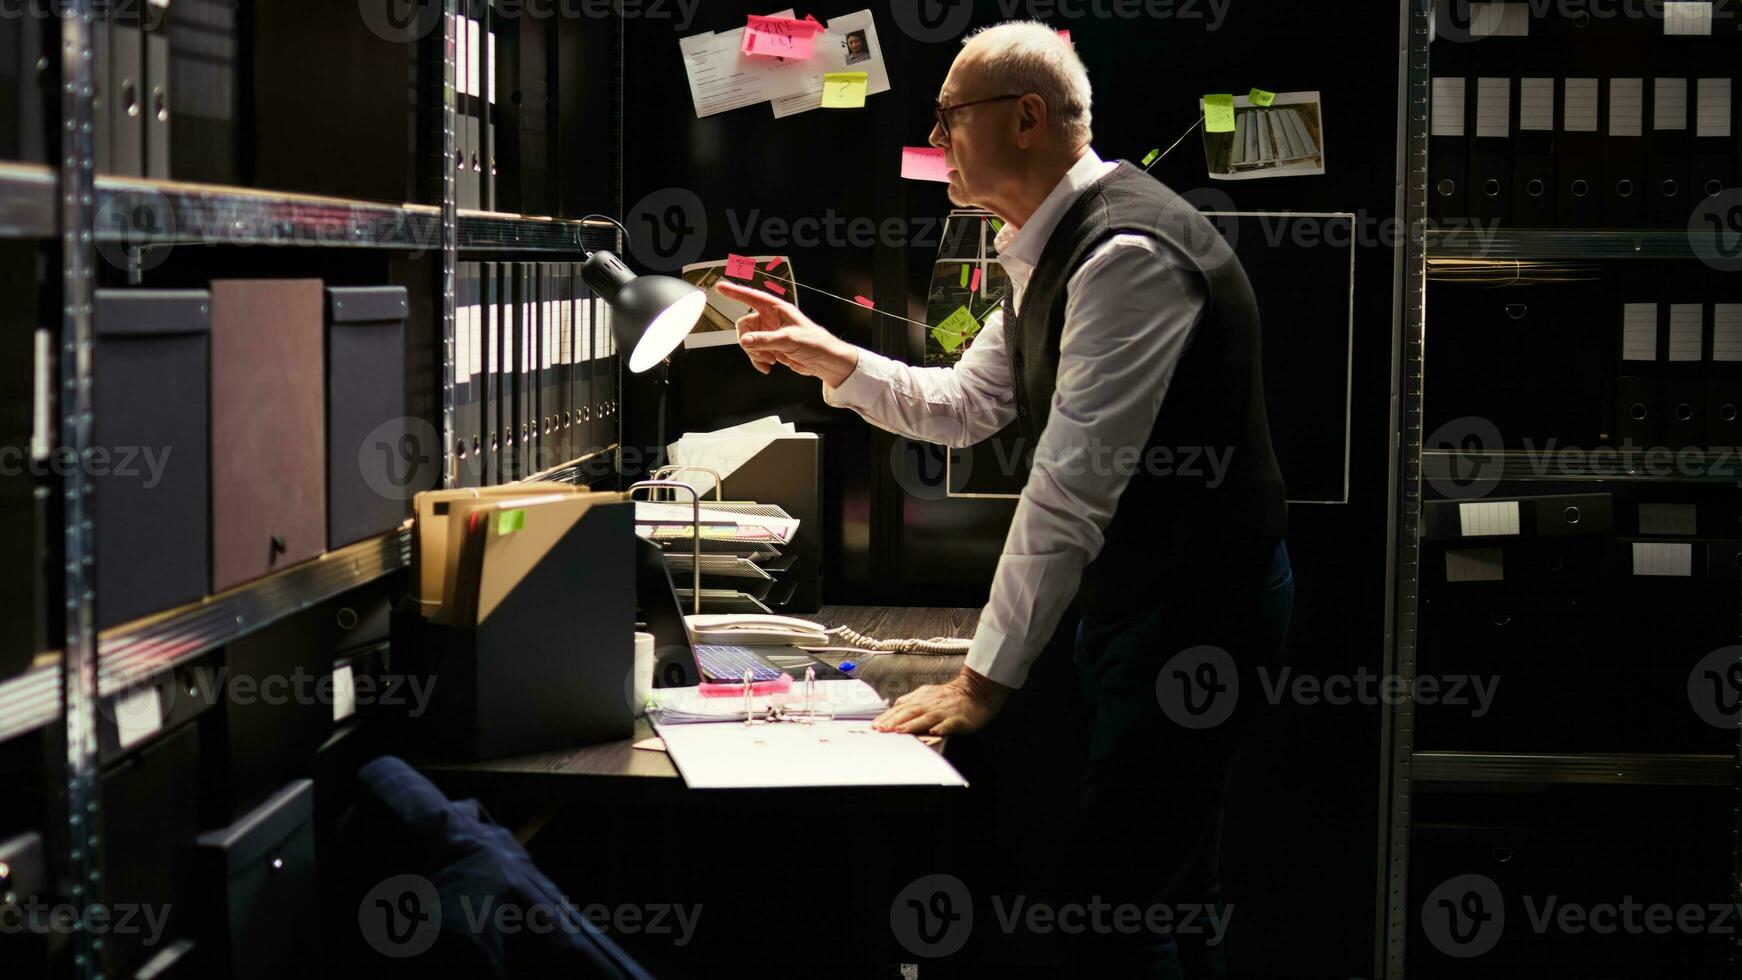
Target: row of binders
1679,383
1561,121
535,371
1653,539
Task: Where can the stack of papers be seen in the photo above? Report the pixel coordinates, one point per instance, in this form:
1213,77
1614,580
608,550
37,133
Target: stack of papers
838,753
724,450
851,700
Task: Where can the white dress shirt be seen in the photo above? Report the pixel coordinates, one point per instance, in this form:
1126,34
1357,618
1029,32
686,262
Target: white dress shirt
1129,317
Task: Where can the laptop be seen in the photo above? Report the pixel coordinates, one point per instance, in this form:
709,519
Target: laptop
684,662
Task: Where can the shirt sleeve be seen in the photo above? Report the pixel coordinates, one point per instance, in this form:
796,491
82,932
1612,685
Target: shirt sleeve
955,406
1129,318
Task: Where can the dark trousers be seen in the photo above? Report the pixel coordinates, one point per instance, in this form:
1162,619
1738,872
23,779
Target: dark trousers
1169,686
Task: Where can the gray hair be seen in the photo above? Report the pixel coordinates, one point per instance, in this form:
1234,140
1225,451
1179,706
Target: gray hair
1028,56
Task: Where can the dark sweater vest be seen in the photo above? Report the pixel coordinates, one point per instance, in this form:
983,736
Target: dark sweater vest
1177,526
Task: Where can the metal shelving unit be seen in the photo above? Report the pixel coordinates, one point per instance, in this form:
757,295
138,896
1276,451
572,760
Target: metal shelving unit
1569,243
89,215
1402,765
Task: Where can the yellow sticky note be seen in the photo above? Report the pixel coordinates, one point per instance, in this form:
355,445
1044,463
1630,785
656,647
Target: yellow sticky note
1218,113
845,89
509,521
1260,97
950,341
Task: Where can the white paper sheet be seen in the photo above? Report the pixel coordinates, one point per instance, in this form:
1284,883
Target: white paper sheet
723,78
831,55
731,755
725,450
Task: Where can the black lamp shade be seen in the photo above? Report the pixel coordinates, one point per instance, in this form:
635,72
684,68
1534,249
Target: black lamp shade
652,314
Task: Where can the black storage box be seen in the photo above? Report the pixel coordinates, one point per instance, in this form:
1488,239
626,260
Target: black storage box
258,874
150,403
368,483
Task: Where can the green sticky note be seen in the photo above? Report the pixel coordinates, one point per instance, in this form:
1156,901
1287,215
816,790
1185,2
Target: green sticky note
964,276
961,323
845,89
1151,156
997,226
509,521
1218,113
1260,97
950,341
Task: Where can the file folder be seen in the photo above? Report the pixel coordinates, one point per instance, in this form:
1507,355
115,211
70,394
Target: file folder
1638,421
475,371
466,470
604,375
204,50
527,412
1722,426
1448,146
547,377
157,91
1670,154
268,507
1624,156
368,474
1714,137
126,107
508,350
151,391
490,407
1579,154
534,90
1491,150
487,159
1684,374
581,378
471,167
1497,520
1533,171
565,361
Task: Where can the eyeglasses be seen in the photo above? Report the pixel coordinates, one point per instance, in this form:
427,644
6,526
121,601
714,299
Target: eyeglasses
943,111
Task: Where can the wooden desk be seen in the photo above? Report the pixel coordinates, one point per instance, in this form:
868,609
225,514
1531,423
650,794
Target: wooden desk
548,775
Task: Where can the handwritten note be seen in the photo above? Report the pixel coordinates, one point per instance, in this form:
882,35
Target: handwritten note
956,329
924,163
740,266
845,89
1218,113
780,37
1260,97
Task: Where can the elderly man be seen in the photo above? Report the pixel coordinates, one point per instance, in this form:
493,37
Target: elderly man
1129,339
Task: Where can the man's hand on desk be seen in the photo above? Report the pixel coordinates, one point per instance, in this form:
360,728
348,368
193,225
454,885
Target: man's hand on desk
963,705
775,332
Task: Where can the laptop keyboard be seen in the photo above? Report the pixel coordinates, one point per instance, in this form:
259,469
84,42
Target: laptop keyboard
725,663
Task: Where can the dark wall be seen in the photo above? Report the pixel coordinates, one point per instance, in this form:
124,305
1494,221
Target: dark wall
1303,834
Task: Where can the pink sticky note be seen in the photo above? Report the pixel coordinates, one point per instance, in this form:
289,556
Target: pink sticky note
974,284
775,263
780,37
740,266
775,288
1066,35
862,301
924,163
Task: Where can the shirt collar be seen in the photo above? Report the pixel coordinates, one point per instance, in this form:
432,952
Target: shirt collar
1022,246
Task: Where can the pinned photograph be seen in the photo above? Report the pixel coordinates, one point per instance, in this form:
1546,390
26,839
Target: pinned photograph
1284,139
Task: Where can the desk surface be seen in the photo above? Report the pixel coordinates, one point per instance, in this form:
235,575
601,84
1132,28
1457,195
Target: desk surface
891,675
